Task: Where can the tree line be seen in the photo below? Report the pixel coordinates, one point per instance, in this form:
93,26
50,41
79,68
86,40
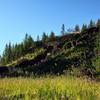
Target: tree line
14,51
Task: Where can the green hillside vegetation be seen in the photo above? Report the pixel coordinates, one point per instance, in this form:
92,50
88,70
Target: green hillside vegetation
53,54
28,56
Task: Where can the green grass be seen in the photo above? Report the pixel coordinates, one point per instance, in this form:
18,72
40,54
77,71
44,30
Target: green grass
55,88
29,56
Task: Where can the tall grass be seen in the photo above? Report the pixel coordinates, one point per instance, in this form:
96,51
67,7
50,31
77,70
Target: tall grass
55,88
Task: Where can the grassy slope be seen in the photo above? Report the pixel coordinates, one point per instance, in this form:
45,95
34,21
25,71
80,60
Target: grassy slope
49,89
28,56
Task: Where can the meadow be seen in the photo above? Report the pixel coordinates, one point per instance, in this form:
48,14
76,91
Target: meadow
49,88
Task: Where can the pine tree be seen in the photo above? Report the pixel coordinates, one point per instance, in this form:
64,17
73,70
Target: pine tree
13,53
7,54
63,29
98,24
52,36
84,27
77,28
26,44
38,38
92,24
21,49
10,52
16,51
30,41
44,37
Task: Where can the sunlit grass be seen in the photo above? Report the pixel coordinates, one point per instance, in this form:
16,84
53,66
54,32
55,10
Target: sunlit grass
56,88
29,56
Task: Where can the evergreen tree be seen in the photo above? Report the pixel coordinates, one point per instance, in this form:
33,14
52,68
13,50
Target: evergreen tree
52,36
28,42
13,52
7,54
25,43
38,38
63,29
77,28
84,27
44,37
2,60
16,51
22,49
98,24
92,24
10,52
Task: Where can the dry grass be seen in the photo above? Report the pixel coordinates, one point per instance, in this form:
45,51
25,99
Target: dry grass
56,88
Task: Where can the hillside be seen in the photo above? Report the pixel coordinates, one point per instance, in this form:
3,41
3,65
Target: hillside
76,53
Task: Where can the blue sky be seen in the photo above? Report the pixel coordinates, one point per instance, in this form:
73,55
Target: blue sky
37,16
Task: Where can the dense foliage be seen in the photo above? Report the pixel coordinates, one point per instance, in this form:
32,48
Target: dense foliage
56,54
